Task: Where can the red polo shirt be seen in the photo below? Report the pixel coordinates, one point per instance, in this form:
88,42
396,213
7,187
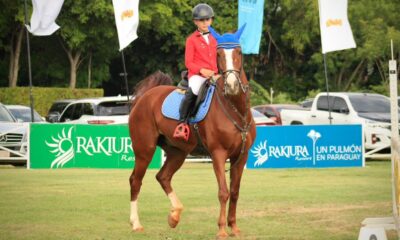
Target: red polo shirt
199,54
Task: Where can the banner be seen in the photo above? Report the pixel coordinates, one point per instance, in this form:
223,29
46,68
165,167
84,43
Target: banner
127,21
44,15
252,13
336,32
83,146
308,146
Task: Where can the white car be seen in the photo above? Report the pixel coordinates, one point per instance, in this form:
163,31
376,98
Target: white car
105,110
13,138
23,113
372,111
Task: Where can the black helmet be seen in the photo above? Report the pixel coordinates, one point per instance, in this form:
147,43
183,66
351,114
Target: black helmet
202,11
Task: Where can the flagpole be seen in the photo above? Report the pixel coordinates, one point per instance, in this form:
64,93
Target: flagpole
125,74
28,48
327,89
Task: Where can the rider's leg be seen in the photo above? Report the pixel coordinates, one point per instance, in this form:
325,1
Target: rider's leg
182,131
187,105
188,102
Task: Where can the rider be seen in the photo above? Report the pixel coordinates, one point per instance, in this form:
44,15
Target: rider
201,62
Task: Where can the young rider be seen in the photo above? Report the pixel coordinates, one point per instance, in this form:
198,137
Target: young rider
201,62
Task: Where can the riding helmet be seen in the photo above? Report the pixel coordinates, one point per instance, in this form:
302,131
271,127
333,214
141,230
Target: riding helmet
202,11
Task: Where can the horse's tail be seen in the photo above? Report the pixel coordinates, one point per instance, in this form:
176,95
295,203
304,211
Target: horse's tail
156,79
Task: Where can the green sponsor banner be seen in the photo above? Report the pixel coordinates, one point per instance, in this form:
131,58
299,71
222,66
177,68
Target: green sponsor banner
83,146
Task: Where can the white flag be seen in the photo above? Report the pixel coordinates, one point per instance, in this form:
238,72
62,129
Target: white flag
44,15
127,20
335,27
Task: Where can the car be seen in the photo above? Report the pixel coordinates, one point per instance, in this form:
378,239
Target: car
307,103
260,119
105,110
273,111
13,138
23,113
56,109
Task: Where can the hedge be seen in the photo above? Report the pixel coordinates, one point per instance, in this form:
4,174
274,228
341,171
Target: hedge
43,97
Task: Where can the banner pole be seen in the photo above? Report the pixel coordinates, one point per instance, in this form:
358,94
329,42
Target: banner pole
28,48
395,156
327,89
125,74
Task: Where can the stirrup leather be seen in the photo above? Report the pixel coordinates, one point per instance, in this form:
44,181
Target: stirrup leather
182,131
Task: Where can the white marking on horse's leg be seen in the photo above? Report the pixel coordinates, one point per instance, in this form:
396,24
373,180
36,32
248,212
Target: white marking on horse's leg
177,207
176,203
134,218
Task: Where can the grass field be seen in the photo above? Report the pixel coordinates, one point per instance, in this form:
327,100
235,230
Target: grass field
274,204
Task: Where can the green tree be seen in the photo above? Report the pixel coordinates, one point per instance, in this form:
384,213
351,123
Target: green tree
11,35
87,31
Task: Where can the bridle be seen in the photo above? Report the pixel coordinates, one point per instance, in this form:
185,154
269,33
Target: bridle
235,72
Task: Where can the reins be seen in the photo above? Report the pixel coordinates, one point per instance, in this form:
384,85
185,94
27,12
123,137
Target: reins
245,125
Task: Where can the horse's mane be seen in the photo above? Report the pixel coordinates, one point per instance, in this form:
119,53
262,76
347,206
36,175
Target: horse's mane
155,79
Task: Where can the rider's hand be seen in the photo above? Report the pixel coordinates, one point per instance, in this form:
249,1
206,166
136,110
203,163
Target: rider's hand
206,72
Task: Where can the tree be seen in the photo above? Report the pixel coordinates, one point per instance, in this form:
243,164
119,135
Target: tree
11,36
87,28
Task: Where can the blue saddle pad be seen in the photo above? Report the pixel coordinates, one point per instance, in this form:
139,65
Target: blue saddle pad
170,107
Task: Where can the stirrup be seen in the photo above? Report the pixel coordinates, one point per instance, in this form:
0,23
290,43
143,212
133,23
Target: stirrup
182,131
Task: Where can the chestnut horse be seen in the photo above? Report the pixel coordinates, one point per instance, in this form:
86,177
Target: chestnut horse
227,132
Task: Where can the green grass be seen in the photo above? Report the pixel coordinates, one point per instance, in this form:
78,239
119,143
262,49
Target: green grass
274,204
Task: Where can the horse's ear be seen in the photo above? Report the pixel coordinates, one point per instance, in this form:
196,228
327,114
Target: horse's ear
239,32
214,33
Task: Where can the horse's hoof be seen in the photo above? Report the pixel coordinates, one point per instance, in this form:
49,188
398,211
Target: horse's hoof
138,229
136,226
172,220
222,234
174,217
235,232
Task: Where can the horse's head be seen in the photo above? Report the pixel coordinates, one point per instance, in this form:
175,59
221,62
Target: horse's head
230,60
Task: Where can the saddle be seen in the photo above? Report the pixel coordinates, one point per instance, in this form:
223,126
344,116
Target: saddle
170,106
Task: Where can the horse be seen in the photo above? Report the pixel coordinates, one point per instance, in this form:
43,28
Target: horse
227,132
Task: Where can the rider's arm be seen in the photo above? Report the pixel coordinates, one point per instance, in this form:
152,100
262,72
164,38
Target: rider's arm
189,57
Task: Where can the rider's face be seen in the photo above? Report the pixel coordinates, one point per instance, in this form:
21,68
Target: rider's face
203,24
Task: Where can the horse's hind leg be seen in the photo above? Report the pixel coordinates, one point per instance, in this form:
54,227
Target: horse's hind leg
173,162
142,161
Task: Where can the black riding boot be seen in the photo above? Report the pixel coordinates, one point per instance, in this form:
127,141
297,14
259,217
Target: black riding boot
187,105
182,131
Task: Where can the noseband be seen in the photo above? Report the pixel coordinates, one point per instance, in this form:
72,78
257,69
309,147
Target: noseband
236,73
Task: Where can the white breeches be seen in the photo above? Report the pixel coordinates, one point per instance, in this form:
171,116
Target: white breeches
195,83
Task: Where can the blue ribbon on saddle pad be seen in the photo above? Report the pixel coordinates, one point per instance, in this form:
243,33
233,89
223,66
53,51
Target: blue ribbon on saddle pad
171,104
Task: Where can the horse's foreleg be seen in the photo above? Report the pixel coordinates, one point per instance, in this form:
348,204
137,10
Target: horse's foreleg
223,194
174,161
142,161
235,176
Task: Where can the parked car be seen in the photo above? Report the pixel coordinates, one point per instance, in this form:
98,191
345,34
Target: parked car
56,109
260,119
13,138
273,111
372,111
307,103
105,110
23,113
